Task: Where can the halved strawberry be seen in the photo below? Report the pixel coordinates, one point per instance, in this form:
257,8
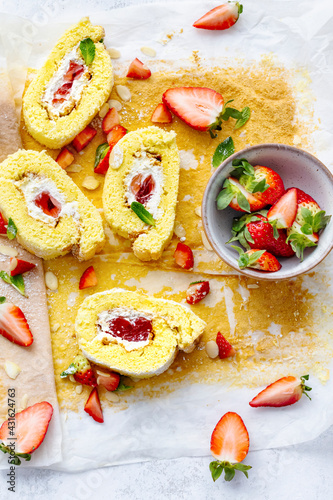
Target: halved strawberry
184,256
3,225
257,259
138,70
115,134
225,348
81,371
283,212
237,197
229,444
197,291
284,392
29,431
221,18
13,324
110,120
19,266
88,278
161,114
83,138
93,406
109,380
65,158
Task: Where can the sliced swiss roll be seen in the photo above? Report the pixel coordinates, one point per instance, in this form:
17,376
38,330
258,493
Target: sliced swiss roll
134,334
51,214
68,91
144,170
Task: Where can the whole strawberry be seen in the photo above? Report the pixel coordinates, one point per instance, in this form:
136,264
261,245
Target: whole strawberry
225,348
81,371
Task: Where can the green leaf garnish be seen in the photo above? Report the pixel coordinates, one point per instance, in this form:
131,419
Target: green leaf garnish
70,370
11,229
16,456
123,387
2,300
101,152
246,260
87,48
16,281
223,151
216,468
245,115
142,213
196,282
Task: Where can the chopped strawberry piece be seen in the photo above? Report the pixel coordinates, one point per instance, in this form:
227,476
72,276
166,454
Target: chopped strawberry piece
13,325
138,70
93,406
19,266
110,120
225,348
221,18
115,134
88,278
83,138
48,204
74,71
103,165
284,210
81,370
65,158
197,291
109,380
60,95
284,392
30,429
161,114
266,262
200,108
184,256
3,225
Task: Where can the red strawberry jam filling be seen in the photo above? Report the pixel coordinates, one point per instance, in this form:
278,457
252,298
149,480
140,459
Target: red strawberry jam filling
142,187
73,73
138,329
48,204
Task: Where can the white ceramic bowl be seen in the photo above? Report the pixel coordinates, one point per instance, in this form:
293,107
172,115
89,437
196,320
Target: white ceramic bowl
297,169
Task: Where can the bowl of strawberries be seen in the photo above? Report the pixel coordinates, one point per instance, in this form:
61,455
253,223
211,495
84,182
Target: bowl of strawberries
266,211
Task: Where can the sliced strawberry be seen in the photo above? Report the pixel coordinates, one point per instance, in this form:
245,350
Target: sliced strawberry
284,392
257,259
3,225
13,324
65,158
161,114
93,406
74,71
29,430
197,291
104,164
283,212
225,348
115,134
229,444
83,138
201,108
237,197
88,278
48,204
184,256
138,70
299,240
81,371
109,380
221,18
110,120
19,266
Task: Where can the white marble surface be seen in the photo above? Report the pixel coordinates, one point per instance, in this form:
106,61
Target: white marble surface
301,472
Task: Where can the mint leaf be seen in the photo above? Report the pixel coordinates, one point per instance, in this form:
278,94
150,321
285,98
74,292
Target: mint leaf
87,48
123,387
2,300
16,281
70,370
230,112
101,152
142,213
245,115
11,229
223,151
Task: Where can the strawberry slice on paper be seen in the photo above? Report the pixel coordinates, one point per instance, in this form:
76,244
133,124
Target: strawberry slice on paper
110,120
13,324
284,392
65,158
221,18
19,266
30,429
93,406
225,348
109,380
161,114
197,291
88,278
83,138
229,444
138,70
115,134
184,256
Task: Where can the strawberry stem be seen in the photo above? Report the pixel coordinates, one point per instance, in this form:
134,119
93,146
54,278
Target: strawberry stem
15,460
305,387
216,468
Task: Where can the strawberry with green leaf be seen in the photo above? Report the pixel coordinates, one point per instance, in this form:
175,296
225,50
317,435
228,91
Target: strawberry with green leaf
81,371
284,392
257,259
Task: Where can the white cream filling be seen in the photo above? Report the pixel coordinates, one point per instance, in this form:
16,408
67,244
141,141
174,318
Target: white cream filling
32,186
103,326
57,80
146,165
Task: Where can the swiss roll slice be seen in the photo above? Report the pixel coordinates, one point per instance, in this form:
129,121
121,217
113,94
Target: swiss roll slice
144,169
134,334
68,91
51,214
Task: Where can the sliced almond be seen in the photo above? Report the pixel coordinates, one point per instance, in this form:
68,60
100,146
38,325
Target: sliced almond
12,369
212,349
148,51
79,389
113,103
51,281
6,250
90,182
24,401
123,92
197,211
206,242
104,109
112,396
71,378
55,327
13,264
179,230
74,168
114,53
252,285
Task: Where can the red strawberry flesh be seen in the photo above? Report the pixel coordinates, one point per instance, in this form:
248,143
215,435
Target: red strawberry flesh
184,256
13,325
161,114
220,18
83,138
20,266
230,439
138,70
197,291
65,158
109,380
225,348
284,392
93,406
110,120
88,278
284,210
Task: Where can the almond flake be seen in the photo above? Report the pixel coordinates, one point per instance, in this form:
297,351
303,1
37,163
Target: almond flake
113,397
24,401
10,251
206,242
148,51
79,389
123,92
113,103
74,168
90,182
71,378
114,53
253,285
51,281
11,369
55,327
13,264
104,109
197,211
179,230
212,349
